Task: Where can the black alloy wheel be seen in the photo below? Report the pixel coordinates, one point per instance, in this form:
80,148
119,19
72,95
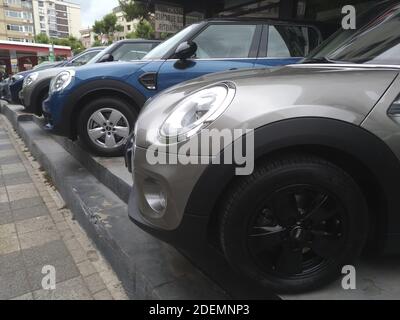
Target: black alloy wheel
294,223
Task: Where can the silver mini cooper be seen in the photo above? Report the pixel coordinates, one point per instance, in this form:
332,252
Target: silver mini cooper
290,173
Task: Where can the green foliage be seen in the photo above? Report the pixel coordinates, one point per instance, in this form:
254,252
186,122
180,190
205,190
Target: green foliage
42,38
144,30
108,25
75,44
135,10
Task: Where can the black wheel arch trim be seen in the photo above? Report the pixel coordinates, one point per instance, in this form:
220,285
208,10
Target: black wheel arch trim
353,140
65,128
35,106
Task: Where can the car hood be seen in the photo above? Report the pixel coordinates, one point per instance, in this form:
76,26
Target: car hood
114,69
263,96
119,70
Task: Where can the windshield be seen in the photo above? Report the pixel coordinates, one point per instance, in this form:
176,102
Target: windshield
98,56
376,42
159,51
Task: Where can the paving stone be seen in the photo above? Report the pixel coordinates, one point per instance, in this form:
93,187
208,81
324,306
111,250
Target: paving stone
13,285
78,255
4,207
34,239
29,213
103,295
26,203
9,245
7,230
65,270
86,268
11,262
12,179
95,283
3,195
10,160
42,255
6,146
6,218
7,153
12,168
22,191
25,297
73,289
35,224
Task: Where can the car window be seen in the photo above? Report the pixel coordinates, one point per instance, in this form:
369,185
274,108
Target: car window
132,51
83,59
225,41
376,39
163,48
378,44
290,41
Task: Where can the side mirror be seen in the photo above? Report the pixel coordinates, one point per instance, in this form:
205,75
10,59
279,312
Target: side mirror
107,58
186,50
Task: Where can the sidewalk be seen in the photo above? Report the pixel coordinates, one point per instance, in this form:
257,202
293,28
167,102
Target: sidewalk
36,231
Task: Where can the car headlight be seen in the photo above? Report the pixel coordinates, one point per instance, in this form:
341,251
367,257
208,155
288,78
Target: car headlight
61,81
30,79
197,112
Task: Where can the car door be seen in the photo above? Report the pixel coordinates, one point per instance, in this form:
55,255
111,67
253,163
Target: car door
283,44
221,47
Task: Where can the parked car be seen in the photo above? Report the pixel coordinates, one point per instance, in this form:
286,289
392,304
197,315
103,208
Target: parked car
17,80
326,161
101,104
35,87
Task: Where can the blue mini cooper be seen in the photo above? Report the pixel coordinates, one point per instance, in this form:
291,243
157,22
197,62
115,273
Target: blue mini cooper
100,104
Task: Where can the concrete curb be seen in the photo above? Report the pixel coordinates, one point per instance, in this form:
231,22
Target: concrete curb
147,268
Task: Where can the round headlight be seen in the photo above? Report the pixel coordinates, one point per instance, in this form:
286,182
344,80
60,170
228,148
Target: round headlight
61,81
197,111
30,79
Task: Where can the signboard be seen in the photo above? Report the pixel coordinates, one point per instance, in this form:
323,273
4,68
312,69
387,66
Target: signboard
193,18
169,19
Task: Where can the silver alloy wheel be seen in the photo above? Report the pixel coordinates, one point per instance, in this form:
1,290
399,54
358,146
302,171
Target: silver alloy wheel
108,128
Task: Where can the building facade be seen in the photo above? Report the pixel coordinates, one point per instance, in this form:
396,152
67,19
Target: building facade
57,19
16,20
129,26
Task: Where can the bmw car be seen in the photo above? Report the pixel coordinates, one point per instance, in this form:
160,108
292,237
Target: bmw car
321,177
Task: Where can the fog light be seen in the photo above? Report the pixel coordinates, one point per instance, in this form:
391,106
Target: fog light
155,196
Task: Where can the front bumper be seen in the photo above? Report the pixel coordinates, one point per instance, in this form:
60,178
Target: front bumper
52,109
174,225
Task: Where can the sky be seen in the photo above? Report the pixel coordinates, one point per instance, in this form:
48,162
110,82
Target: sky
94,9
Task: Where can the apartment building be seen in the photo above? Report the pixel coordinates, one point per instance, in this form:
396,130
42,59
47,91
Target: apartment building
57,19
16,20
129,26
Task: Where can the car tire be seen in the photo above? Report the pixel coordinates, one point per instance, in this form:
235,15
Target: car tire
105,108
42,97
294,223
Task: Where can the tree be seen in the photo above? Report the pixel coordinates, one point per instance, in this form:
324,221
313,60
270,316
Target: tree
42,38
135,10
143,30
75,44
108,25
